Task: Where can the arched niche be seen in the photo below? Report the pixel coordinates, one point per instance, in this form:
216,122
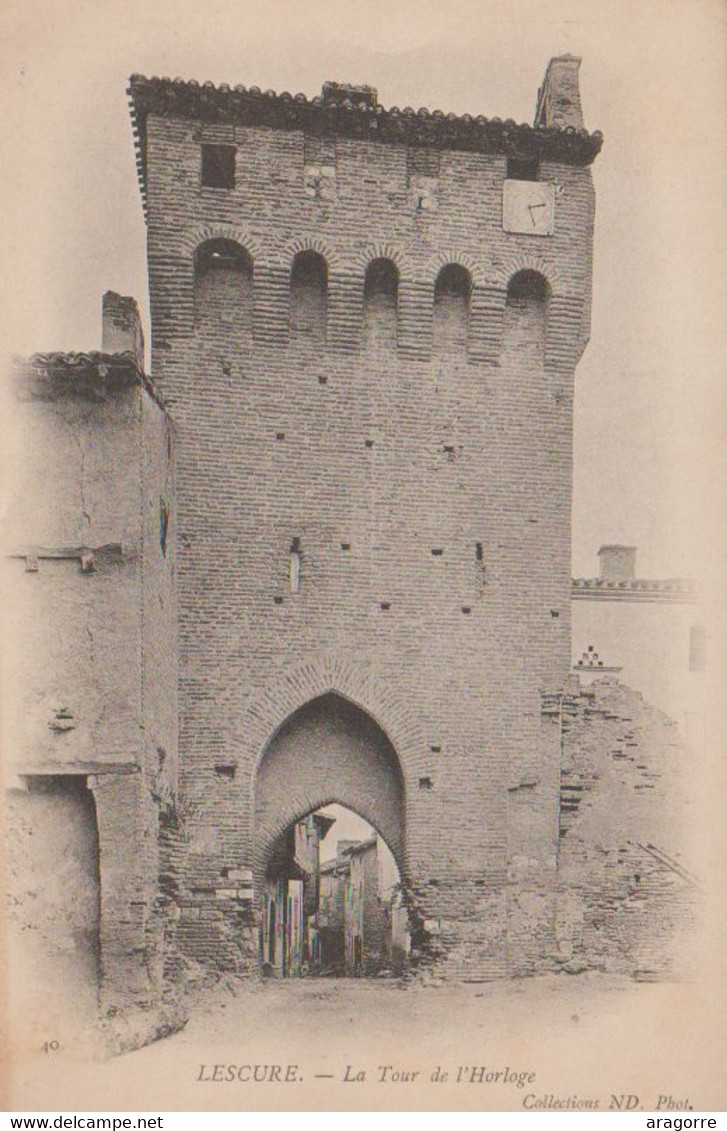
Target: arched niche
452,296
223,282
526,316
308,297
380,305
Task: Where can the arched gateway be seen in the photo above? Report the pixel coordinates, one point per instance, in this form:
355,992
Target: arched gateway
328,750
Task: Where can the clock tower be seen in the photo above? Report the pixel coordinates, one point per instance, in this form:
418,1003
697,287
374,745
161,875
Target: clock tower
366,324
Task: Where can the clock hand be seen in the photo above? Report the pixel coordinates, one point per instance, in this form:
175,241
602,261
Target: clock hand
530,210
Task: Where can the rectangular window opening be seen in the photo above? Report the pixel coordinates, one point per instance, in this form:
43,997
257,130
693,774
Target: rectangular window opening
218,166
295,565
522,168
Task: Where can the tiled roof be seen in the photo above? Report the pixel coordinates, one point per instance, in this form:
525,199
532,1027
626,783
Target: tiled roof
676,590
351,111
92,375
361,846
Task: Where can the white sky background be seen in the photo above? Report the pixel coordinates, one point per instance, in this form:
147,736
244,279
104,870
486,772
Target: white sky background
349,826
652,79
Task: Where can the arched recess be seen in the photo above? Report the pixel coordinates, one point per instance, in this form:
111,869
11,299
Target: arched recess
309,297
526,316
452,296
223,286
329,750
381,303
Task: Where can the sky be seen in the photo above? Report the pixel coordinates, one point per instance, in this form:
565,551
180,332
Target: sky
349,826
650,399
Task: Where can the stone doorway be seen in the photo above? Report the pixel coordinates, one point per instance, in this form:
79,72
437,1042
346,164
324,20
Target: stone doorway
329,763
53,871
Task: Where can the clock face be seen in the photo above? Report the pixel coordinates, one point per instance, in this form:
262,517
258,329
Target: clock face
528,208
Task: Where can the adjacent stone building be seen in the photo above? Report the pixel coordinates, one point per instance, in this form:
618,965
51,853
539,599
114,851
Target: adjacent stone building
89,674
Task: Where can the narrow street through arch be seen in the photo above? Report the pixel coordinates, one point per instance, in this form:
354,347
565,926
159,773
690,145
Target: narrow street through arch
333,904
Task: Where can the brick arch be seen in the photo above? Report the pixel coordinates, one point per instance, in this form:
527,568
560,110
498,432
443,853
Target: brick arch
328,750
383,251
264,843
294,687
310,243
451,258
239,235
513,265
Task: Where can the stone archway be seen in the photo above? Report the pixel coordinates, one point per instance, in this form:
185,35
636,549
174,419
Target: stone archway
329,750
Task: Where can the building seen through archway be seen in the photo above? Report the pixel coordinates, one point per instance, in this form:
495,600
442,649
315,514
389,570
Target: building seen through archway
333,904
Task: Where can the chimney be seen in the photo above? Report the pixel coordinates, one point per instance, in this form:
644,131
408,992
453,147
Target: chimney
617,563
121,327
559,98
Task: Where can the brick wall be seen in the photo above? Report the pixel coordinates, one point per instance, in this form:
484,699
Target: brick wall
628,899
422,462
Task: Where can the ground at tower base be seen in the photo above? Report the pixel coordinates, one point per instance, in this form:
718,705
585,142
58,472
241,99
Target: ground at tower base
455,1037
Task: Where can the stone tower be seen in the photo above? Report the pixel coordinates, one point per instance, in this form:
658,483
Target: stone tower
365,325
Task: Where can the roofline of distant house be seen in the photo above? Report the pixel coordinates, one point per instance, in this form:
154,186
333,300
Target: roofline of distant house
668,591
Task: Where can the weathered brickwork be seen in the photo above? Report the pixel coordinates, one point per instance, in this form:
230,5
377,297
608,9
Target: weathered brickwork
404,429
91,671
628,898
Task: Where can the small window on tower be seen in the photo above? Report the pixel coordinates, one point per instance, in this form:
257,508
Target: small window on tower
218,166
522,168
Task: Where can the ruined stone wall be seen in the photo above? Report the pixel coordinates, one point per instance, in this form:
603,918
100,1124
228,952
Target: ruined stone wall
628,898
158,677
425,483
